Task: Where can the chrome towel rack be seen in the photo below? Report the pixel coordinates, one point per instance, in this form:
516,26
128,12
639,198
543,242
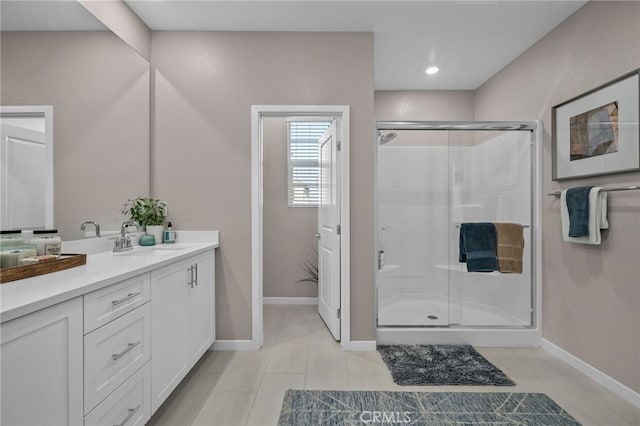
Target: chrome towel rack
524,226
624,188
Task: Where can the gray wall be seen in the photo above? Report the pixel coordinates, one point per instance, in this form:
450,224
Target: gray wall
99,88
289,233
205,84
591,294
117,16
409,105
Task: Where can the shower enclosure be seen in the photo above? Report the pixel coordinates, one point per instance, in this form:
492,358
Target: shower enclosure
431,177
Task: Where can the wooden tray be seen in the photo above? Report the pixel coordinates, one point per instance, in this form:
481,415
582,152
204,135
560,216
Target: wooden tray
65,261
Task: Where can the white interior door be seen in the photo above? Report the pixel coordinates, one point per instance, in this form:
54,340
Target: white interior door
22,165
329,232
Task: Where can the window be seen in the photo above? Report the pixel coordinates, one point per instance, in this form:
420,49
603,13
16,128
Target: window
303,152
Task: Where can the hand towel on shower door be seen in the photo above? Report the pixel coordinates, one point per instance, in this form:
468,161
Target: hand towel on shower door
510,238
478,246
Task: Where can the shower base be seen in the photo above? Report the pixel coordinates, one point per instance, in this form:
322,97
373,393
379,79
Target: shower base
423,309
404,319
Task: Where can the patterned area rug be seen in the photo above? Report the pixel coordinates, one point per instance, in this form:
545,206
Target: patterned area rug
441,365
303,407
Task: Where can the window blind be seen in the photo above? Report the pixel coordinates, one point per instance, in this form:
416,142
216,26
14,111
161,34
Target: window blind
303,154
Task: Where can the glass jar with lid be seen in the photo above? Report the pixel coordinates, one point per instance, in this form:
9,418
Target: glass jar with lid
46,241
10,239
13,248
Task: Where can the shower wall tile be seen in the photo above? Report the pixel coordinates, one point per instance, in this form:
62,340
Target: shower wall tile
413,218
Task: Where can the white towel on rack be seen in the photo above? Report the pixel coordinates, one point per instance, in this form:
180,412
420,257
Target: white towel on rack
597,217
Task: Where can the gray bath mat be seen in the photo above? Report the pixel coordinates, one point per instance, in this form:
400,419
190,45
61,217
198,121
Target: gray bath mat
416,365
303,407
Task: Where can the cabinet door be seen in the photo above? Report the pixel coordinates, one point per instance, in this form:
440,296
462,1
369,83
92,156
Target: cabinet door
42,367
169,329
201,304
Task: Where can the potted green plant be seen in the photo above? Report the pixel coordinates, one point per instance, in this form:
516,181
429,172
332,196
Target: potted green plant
310,268
148,213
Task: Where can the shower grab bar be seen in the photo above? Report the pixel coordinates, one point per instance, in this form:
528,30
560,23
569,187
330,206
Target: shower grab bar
524,226
624,188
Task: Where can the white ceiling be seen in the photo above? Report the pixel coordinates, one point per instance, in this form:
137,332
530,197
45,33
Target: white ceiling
47,15
470,40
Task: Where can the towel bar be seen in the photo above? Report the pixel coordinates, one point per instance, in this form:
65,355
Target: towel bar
524,226
624,188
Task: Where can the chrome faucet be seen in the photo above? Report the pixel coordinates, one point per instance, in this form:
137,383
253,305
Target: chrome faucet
124,242
95,224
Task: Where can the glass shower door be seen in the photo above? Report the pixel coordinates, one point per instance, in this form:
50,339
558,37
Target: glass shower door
491,181
429,182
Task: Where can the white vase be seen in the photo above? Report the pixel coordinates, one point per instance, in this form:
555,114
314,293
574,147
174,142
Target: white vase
156,231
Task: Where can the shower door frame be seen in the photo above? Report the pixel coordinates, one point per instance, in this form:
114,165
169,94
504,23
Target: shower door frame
529,335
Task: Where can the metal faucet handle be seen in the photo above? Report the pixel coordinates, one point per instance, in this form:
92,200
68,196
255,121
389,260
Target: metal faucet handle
122,244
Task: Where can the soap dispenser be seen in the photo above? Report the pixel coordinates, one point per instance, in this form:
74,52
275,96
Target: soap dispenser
169,234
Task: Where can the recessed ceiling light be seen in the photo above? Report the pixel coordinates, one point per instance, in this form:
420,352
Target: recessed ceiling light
432,70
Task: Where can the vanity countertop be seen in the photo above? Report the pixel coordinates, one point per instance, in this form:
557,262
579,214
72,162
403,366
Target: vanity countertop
22,297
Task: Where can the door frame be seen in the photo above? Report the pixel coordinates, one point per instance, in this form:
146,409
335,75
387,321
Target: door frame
46,113
258,112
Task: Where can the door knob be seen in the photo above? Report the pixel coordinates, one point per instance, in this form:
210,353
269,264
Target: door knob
318,236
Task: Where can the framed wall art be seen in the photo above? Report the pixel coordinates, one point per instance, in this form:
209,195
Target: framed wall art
598,132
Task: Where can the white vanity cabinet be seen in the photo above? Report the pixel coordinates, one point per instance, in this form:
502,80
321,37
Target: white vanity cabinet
182,321
112,355
41,367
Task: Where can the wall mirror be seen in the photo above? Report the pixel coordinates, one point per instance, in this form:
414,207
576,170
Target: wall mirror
58,54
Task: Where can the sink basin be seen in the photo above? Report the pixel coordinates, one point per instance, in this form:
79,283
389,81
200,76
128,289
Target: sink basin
168,248
151,251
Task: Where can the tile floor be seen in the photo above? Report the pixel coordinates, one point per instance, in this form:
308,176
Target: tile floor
246,388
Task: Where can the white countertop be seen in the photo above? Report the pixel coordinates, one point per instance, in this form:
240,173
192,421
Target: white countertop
22,297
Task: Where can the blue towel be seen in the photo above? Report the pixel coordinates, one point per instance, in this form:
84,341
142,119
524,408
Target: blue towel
578,208
478,247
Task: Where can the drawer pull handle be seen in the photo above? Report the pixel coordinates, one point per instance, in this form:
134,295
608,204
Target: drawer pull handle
127,349
132,411
124,299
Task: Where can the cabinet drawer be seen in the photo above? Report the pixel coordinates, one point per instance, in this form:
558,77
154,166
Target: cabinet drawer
109,303
113,352
129,405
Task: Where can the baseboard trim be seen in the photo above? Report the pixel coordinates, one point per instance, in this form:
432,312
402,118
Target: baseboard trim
475,337
290,300
362,345
233,345
588,370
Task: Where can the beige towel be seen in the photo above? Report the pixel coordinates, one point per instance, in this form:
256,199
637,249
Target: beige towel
510,247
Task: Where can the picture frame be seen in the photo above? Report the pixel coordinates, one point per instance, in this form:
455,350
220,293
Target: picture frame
598,133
